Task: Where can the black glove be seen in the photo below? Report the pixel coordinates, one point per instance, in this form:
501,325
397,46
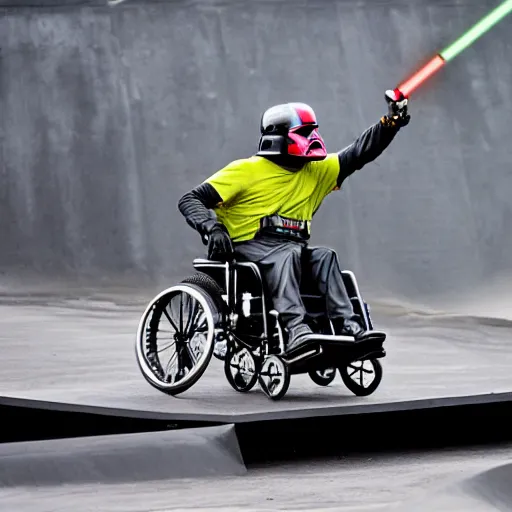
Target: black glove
397,109
219,243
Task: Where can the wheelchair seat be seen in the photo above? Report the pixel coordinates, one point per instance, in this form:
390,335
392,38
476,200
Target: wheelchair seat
248,278
247,274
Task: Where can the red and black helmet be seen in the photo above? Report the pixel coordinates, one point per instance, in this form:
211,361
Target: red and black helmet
291,129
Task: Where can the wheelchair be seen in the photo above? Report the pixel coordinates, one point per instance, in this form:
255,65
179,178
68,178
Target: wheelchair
223,310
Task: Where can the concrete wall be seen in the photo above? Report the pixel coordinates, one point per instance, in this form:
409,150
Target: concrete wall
108,115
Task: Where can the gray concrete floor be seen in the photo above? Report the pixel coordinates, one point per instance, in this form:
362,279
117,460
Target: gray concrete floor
361,484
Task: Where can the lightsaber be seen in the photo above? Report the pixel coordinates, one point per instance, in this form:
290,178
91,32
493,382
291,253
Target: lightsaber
454,49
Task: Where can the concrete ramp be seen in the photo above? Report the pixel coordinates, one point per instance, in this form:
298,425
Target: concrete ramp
493,487
453,500
212,451
488,491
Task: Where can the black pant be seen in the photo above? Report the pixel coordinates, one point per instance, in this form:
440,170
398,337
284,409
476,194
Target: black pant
282,264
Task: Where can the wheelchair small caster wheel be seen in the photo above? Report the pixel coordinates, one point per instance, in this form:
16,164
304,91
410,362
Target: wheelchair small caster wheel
274,377
323,377
354,374
240,369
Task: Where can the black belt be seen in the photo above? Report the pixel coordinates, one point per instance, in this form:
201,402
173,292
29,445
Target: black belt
283,226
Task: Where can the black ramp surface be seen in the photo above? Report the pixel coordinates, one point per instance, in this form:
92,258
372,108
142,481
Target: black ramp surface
210,451
81,351
110,114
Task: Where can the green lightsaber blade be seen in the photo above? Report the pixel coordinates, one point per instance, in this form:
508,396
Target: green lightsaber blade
441,58
477,30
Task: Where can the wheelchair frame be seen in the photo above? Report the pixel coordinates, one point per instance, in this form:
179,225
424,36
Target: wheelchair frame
266,357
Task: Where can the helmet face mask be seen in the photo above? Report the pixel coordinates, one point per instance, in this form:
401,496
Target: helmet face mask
305,141
290,131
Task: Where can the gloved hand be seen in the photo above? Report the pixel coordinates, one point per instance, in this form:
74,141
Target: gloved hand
397,109
219,243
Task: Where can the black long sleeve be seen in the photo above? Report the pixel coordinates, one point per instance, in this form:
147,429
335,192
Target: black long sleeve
366,148
196,207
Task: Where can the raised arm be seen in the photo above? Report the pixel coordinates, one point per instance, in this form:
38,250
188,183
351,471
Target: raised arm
373,141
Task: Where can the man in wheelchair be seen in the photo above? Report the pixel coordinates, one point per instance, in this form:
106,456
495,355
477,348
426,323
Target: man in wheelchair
264,205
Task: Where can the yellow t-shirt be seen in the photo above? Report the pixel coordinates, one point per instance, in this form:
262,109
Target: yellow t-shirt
255,187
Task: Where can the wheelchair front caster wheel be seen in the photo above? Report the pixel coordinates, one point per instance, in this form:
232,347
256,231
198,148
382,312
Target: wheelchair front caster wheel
362,377
274,377
323,377
240,369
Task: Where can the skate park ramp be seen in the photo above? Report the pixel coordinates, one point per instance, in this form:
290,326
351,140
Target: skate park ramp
204,452
112,113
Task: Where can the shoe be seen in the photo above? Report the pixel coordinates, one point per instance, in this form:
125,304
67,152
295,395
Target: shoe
353,328
298,337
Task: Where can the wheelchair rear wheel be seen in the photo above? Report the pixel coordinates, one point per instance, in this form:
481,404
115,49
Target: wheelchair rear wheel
179,322
354,374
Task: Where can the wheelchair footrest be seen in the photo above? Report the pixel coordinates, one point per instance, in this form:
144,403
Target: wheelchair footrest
328,338
336,344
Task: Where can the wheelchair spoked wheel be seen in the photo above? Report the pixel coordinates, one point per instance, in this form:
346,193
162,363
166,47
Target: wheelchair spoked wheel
175,338
356,372
323,377
241,369
274,377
